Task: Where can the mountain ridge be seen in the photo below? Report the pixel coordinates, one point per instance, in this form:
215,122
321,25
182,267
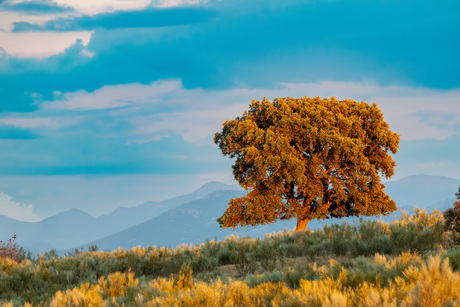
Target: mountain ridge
179,225
75,227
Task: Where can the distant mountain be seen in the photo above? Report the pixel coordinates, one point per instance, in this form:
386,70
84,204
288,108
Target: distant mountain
192,218
124,217
64,230
194,222
432,192
74,227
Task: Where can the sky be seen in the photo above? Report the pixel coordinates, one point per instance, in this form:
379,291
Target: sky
115,102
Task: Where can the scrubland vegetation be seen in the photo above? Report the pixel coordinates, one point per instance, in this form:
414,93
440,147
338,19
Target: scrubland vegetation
410,262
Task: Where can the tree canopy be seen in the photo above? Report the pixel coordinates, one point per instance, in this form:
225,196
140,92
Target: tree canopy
308,158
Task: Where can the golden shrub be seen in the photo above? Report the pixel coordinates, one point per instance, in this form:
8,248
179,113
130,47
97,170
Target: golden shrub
82,296
118,283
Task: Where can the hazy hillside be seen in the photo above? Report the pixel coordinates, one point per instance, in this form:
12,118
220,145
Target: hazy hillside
124,217
432,192
63,230
194,222
75,227
191,218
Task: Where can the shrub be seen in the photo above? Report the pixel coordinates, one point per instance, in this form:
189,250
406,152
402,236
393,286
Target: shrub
452,223
184,279
12,250
224,255
244,259
418,233
454,259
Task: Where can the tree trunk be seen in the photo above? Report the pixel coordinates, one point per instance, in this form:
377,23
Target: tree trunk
302,224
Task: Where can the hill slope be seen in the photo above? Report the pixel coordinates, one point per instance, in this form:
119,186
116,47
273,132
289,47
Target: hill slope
74,227
432,192
194,222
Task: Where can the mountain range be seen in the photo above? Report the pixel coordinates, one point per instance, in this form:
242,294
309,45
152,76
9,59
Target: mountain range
74,227
192,218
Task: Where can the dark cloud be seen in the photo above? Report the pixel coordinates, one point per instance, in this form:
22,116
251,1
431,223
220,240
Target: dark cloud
35,7
365,41
23,82
11,132
123,19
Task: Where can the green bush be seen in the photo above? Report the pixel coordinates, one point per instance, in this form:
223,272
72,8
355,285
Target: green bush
244,259
418,233
269,254
454,259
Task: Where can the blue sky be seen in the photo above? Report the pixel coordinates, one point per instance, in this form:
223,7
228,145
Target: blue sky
115,103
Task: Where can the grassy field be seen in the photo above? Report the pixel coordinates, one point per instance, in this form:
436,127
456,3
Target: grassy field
410,262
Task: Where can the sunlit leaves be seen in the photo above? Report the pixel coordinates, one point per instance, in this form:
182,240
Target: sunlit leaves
308,158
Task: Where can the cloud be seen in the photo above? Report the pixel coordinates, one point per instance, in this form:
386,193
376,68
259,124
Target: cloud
255,45
31,122
121,19
15,210
35,7
110,97
90,153
170,3
91,7
38,45
26,81
11,132
443,119
164,128
156,110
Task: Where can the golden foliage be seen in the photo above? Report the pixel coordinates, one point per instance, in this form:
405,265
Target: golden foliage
308,158
118,283
435,284
382,280
428,282
82,296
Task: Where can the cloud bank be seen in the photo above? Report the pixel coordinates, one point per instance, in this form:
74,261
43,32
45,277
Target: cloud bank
149,18
15,210
164,128
225,44
34,7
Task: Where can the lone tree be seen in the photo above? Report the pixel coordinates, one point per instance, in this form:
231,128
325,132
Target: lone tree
308,159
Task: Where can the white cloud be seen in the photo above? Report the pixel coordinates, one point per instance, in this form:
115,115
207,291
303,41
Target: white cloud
401,107
171,3
33,123
165,107
40,44
109,97
16,210
94,7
